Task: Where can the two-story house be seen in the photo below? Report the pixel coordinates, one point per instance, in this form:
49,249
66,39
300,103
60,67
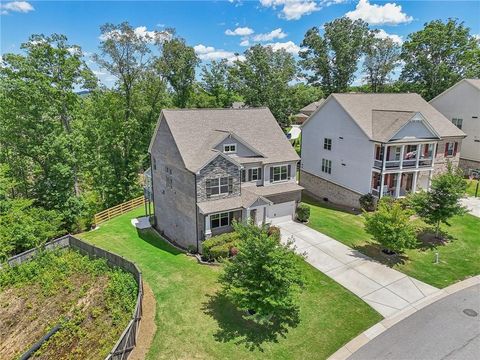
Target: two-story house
461,105
211,166
384,144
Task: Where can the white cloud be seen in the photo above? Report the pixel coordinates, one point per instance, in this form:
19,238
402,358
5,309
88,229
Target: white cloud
274,34
245,42
142,33
288,46
239,31
16,6
209,53
382,34
292,9
390,13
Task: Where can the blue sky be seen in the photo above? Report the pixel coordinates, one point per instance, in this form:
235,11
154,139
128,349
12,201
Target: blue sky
206,24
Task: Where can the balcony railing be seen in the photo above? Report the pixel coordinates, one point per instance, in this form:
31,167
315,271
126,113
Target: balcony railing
405,164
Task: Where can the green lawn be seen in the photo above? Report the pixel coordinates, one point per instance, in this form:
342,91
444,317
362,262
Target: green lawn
459,258
471,187
192,322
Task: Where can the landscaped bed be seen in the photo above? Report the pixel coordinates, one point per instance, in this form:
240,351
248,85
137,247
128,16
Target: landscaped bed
92,301
194,322
458,256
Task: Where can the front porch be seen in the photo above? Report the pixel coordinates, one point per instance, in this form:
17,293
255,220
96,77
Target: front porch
399,184
404,156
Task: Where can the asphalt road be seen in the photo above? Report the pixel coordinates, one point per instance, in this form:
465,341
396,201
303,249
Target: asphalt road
440,331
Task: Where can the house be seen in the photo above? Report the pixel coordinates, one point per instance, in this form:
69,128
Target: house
211,166
384,144
306,111
461,105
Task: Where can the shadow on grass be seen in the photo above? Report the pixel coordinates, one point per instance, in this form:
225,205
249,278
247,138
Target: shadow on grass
428,241
152,238
375,252
234,327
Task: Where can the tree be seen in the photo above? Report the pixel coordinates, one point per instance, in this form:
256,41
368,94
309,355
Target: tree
442,201
177,64
302,95
438,56
264,277
263,80
331,60
390,225
217,82
382,57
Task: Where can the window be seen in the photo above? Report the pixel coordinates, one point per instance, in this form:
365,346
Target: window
168,170
169,182
254,174
243,175
327,144
229,148
279,173
457,122
154,163
219,220
450,149
327,166
218,186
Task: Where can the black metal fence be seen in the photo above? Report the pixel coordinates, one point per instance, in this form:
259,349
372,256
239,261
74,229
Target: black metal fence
128,339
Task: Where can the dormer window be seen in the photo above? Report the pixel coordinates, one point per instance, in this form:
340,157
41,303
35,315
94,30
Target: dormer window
230,148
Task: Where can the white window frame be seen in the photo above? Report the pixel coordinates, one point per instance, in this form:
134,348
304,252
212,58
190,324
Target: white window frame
219,217
452,145
229,148
327,144
457,121
255,177
326,166
223,182
280,173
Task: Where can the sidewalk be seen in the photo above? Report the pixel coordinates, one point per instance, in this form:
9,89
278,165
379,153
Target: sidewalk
472,204
386,290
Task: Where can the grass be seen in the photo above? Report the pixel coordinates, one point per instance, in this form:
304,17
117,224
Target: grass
471,187
193,322
458,258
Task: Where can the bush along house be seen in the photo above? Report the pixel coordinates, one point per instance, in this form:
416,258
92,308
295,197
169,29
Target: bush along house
383,144
212,166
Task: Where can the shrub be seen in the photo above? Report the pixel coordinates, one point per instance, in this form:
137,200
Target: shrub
303,212
390,225
367,202
274,231
219,246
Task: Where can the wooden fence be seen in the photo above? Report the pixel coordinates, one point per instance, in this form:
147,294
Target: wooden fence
127,341
118,209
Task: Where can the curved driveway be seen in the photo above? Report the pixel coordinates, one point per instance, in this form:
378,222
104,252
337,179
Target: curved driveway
442,330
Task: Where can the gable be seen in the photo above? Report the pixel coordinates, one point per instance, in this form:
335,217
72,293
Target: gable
242,148
415,128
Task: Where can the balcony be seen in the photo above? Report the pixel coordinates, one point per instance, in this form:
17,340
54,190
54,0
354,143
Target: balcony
405,156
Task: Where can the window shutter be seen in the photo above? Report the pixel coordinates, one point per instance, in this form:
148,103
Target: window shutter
388,153
289,173
455,149
446,149
259,173
230,185
249,174
208,188
425,149
243,175
377,154
271,174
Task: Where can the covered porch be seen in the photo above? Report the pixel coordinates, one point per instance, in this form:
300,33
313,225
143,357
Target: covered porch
399,184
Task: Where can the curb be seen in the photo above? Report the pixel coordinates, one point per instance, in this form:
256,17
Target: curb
356,343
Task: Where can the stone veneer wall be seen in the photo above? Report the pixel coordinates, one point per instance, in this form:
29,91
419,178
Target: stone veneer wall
466,165
322,188
218,167
440,159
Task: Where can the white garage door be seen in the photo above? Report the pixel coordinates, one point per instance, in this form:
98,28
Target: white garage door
280,212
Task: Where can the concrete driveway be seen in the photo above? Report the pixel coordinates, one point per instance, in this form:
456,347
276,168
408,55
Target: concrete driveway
447,329
472,204
386,290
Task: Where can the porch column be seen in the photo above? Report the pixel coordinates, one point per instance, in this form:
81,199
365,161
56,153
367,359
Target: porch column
398,184
414,182
381,186
402,152
419,152
434,154
430,173
384,157
208,230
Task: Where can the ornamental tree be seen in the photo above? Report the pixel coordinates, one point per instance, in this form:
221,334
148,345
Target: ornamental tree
390,225
264,278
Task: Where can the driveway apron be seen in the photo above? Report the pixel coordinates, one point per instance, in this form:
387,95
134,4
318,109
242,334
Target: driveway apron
386,290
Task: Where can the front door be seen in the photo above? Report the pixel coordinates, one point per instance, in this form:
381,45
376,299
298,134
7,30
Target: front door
253,215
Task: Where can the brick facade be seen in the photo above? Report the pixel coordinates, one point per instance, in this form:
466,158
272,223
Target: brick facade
441,161
218,167
466,165
322,188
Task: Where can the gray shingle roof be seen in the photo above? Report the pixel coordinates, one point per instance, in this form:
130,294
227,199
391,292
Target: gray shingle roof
361,107
197,131
310,108
386,123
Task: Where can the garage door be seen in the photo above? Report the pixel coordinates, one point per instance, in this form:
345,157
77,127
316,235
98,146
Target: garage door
280,212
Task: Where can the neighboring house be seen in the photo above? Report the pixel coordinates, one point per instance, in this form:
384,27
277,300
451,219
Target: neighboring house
384,144
211,166
306,111
461,105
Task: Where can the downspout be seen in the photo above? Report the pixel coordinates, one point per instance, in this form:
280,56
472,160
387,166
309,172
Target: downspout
196,212
153,196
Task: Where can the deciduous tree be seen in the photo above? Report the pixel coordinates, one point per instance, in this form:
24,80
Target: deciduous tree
382,57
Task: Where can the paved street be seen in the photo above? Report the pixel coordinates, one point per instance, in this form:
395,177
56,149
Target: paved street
386,290
472,204
441,330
